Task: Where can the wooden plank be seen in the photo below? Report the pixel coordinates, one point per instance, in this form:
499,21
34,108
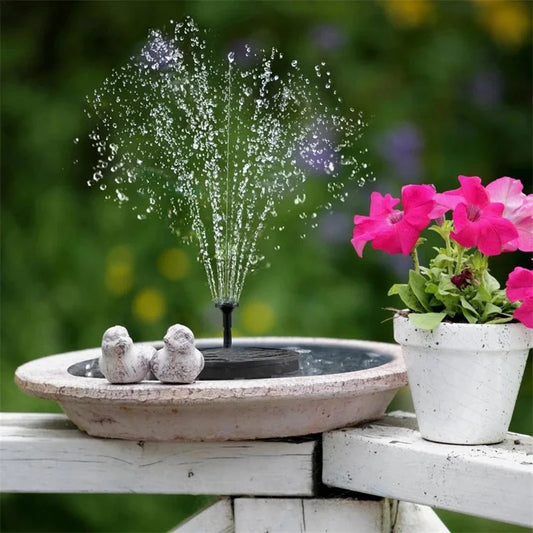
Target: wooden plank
280,515
215,518
389,458
333,515
46,453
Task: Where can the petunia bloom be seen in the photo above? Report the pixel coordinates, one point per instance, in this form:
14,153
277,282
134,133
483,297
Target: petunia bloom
520,287
525,313
393,230
518,208
519,284
477,220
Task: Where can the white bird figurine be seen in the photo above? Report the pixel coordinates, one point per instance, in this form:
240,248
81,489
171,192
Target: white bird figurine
178,361
121,360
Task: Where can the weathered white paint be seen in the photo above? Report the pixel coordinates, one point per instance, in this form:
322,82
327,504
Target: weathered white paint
332,515
464,378
389,458
411,517
46,453
281,515
215,518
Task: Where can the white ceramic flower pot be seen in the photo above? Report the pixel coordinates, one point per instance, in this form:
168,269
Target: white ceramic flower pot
464,378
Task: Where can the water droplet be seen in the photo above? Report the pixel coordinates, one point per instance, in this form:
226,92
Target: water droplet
294,63
76,140
231,57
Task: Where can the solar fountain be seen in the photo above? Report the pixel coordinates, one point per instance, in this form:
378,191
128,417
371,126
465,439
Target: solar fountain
216,145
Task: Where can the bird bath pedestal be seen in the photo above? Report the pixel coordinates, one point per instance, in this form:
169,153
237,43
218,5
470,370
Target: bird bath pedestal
227,409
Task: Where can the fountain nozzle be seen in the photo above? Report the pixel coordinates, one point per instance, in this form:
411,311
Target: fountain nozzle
226,308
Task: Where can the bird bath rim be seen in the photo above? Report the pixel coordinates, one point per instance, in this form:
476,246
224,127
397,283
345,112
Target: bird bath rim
236,409
48,378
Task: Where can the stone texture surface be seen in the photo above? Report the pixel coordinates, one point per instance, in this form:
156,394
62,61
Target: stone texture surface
178,361
218,410
122,361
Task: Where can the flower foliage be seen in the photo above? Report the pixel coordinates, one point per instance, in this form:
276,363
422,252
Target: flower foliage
456,285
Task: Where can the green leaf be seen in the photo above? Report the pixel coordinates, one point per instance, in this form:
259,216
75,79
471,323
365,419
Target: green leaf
417,283
501,320
490,282
395,288
432,288
472,319
482,295
491,309
465,304
442,257
447,287
426,320
409,298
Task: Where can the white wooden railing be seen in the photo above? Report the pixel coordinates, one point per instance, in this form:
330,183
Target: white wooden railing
284,484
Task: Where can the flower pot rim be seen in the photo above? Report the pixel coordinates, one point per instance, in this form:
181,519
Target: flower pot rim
449,323
453,335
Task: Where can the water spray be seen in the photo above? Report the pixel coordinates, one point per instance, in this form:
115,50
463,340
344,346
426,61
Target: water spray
219,178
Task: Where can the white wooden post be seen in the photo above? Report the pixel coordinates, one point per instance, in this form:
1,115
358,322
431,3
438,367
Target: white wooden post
332,515
215,518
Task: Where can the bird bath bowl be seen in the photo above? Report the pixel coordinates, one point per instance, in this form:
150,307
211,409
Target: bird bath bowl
337,383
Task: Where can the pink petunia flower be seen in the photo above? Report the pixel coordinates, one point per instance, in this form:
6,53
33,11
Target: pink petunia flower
477,220
519,284
525,313
450,199
390,229
520,287
518,209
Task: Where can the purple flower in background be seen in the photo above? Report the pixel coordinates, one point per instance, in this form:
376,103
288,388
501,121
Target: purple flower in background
327,36
334,227
401,148
316,153
486,87
245,52
159,53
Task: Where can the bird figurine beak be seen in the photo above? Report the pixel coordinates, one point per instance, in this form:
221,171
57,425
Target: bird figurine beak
119,349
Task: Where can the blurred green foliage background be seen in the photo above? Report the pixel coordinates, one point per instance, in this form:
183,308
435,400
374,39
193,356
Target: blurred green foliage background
445,86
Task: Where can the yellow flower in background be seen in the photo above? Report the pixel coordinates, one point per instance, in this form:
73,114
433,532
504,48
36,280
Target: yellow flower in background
118,275
149,305
257,317
173,264
508,21
409,13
